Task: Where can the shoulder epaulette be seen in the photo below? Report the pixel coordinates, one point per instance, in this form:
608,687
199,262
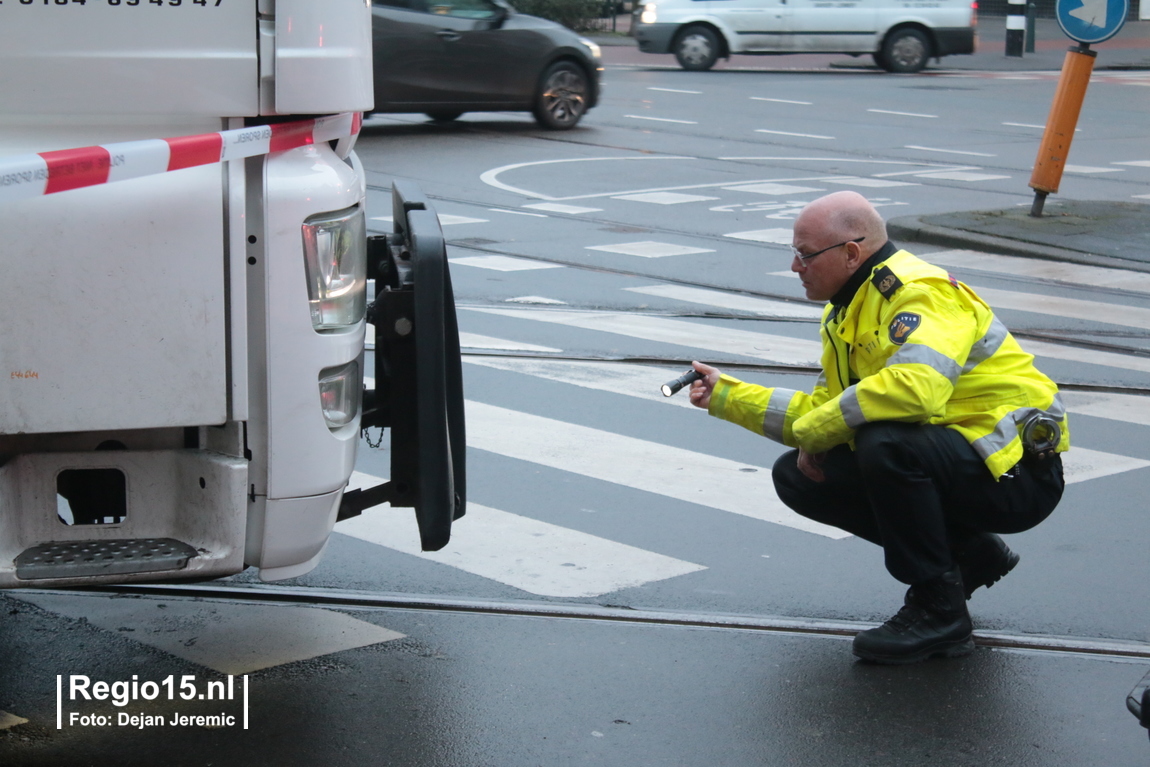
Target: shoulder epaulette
886,281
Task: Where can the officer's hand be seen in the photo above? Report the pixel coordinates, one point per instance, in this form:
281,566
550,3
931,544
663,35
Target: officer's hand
701,390
809,465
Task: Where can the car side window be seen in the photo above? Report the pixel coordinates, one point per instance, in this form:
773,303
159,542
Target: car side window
463,9
420,6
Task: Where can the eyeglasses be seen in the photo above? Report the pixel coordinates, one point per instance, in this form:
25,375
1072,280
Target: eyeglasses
806,259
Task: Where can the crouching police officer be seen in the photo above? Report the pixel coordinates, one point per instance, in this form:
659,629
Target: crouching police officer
928,432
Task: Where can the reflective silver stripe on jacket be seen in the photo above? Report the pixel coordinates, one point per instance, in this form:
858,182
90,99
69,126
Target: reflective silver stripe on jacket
924,355
775,416
849,405
985,347
1006,430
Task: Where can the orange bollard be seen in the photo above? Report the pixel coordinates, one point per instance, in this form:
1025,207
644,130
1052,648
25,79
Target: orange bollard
1060,125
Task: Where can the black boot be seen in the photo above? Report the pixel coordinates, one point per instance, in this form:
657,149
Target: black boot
983,558
934,621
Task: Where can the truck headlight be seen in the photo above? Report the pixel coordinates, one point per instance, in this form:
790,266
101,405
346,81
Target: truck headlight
339,392
650,13
335,256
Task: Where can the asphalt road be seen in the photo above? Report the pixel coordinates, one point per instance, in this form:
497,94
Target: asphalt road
589,266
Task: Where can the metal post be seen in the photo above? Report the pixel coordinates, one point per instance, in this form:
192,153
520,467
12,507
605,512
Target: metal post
1015,27
1031,16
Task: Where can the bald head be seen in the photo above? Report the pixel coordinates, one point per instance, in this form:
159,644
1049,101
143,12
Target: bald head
836,234
843,216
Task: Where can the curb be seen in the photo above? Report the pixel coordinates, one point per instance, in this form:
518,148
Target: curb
914,229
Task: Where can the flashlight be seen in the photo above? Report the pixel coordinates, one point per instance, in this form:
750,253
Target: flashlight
686,379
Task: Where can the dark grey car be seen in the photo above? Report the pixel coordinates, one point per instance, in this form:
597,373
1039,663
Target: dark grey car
447,57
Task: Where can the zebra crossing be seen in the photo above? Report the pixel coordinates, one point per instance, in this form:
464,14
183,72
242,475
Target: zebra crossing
546,559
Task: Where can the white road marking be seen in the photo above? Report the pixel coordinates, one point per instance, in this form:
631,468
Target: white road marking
638,381
230,638
722,300
476,341
1076,275
1090,169
1128,408
1089,356
534,300
948,151
518,213
9,720
800,135
1058,306
504,263
1142,196
869,182
536,557
649,249
776,236
445,219
671,472
555,207
674,90
1080,464
779,349
902,114
1138,163
491,177
960,175
662,119
664,198
772,188
782,101
1025,125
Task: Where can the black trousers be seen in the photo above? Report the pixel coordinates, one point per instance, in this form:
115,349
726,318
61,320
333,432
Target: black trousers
918,491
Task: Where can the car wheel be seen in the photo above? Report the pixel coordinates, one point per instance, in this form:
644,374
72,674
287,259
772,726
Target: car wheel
905,50
879,60
443,117
562,97
697,49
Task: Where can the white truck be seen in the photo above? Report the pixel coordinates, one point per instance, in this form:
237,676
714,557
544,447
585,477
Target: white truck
182,355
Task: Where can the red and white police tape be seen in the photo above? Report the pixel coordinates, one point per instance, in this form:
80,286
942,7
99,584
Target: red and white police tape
32,175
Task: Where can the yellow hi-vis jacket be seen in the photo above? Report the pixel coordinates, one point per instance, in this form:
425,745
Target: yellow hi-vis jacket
914,345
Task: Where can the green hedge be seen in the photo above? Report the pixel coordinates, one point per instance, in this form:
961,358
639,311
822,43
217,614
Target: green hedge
579,15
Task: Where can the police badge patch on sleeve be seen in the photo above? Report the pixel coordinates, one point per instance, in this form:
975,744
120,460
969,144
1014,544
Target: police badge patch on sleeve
902,326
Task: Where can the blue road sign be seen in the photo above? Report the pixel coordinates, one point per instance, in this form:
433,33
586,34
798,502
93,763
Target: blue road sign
1091,21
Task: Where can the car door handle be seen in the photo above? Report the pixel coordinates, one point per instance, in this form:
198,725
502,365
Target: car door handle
450,35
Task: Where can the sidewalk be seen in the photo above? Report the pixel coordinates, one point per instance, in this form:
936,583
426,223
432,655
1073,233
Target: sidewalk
1111,234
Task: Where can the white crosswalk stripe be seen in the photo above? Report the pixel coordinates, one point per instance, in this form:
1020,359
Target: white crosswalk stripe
537,557
1075,275
779,349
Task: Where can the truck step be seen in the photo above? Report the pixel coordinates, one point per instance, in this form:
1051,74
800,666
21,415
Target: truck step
74,559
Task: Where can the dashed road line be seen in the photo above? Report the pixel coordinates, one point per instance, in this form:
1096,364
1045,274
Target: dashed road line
799,135
662,119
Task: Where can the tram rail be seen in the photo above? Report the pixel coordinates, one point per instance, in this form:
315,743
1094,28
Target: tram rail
340,599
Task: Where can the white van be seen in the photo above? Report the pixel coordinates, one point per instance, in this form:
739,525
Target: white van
901,35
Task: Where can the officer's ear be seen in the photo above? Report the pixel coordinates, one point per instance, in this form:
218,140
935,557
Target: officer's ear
855,257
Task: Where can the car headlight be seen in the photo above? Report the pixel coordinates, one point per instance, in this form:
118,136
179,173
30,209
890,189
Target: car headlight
339,393
335,257
592,46
650,14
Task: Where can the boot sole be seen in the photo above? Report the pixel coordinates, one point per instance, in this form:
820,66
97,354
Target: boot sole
951,649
